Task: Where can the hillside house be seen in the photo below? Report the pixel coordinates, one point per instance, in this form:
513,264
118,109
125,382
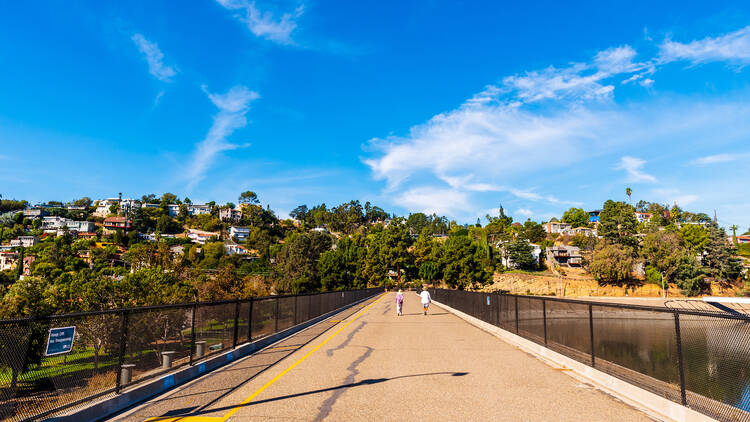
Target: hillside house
25,241
34,213
557,227
585,231
239,233
643,217
743,238
112,224
200,236
231,215
8,260
536,252
565,255
594,216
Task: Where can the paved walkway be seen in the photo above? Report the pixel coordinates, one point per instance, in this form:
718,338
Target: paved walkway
370,365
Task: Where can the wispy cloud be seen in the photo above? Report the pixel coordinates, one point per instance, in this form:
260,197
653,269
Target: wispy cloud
436,200
719,158
733,47
674,196
231,116
525,212
633,167
264,24
543,120
155,59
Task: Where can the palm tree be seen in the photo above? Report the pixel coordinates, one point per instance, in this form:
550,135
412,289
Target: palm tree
628,191
734,233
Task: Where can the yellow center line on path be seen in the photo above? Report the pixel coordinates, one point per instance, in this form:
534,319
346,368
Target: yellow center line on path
266,385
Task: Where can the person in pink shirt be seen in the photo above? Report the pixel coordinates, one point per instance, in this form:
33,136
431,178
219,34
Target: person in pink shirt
399,302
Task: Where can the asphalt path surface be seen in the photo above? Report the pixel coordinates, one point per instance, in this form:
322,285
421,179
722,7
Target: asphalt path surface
368,364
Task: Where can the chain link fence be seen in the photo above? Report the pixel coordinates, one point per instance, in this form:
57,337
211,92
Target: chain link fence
56,363
698,358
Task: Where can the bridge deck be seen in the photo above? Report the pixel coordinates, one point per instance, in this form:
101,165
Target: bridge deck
368,364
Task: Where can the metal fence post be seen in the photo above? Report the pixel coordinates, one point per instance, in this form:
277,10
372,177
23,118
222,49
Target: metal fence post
497,305
295,310
250,321
123,345
516,297
591,331
236,323
544,318
192,333
276,322
683,397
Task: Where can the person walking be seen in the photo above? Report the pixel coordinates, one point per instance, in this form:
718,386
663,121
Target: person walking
399,302
426,299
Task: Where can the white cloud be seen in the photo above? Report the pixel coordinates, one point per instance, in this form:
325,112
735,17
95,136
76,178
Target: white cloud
504,138
155,59
733,47
524,212
430,200
719,158
231,116
674,196
633,167
265,24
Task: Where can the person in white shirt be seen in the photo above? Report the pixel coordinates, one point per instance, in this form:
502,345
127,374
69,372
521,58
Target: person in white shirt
426,299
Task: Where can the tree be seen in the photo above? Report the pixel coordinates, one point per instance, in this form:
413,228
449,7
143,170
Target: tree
734,228
297,263
395,248
718,258
695,236
612,263
534,232
248,197
690,276
663,250
628,192
576,217
333,272
520,254
617,224
428,271
461,265
299,213
83,202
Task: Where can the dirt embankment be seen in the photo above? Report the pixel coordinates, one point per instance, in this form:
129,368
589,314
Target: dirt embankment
579,283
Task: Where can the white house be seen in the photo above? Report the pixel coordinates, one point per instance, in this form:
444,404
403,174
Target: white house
239,233
642,217
200,236
230,214
192,209
235,249
557,227
25,241
536,252
8,260
584,230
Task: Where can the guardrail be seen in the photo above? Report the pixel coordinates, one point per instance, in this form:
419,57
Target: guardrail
55,363
699,359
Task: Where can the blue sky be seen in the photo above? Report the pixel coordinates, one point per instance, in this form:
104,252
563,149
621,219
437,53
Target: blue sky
447,107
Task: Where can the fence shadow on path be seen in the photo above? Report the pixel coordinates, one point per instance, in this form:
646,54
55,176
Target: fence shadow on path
369,381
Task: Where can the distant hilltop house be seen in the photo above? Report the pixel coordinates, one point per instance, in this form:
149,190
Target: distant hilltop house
239,233
25,241
585,231
320,230
643,217
112,224
200,236
34,213
594,216
557,227
743,238
232,215
192,209
565,255
8,260
56,224
235,249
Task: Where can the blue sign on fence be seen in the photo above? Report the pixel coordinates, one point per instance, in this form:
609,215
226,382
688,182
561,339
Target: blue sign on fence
60,340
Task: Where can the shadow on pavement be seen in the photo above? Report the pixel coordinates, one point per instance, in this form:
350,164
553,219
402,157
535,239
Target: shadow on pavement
370,381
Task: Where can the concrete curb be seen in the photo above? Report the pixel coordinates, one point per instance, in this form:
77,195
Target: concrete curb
141,392
650,403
